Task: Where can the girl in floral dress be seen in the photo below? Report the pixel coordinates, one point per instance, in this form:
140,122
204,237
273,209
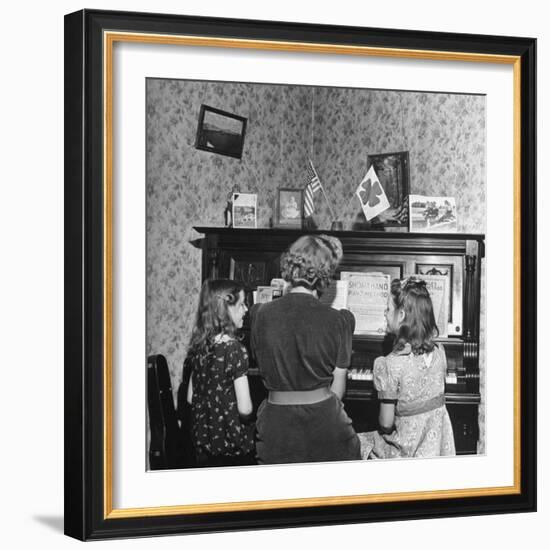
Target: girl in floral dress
216,366
410,381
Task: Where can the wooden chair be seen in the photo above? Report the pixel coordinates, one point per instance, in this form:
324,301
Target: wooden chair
167,449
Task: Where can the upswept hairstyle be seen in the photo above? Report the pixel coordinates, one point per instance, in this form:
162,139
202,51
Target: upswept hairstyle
213,315
311,261
418,327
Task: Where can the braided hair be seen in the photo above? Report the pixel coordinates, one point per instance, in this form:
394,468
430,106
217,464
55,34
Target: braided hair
311,261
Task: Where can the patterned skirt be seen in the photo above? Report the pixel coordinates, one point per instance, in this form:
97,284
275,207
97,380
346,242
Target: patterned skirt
424,435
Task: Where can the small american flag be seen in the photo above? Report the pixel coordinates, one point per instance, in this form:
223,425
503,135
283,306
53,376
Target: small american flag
313,185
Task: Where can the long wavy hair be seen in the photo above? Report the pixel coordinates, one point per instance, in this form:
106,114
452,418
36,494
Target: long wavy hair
418,327
311,261
213,316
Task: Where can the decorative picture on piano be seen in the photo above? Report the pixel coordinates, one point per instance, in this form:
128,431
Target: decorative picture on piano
445,271
244,210
392,171
384,328
290,207
432,214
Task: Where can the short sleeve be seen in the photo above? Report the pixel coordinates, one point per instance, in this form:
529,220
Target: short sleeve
386,378
346,327
237,360
349,319
253,312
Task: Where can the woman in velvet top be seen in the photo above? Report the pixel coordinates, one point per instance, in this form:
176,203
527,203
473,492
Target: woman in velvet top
303,350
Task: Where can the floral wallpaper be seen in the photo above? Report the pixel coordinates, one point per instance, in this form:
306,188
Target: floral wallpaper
336,127
443,133
188,187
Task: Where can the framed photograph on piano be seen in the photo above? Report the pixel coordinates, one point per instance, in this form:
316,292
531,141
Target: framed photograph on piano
143,234
290,208
392,170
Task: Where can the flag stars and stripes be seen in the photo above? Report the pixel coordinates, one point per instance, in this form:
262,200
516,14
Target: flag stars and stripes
312,187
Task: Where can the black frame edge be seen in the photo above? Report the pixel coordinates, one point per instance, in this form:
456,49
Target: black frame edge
528,245
74,493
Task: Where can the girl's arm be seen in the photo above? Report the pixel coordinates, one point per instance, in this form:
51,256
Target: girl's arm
190,390
386,372
386,417
338,385
242,392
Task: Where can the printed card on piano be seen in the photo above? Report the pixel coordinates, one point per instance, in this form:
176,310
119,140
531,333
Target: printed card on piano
263,294
438,288
367,300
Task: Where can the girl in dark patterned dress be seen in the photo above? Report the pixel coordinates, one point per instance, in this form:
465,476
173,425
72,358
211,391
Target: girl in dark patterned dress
218,392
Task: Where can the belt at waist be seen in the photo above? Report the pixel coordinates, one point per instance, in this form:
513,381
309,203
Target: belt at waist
419,407
306,397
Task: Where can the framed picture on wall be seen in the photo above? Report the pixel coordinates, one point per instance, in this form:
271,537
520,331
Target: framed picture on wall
109,492
220,132
290,208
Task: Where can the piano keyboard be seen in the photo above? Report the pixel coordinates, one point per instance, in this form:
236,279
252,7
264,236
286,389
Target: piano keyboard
451,378
360,374
366,375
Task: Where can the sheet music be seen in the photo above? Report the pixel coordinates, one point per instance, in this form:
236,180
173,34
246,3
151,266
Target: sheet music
367,300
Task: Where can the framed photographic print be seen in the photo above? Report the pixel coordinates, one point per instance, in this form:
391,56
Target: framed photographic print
143,233
244,210
220,132
392,170
290,208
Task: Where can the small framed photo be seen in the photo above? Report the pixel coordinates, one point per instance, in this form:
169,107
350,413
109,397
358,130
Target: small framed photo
392,170
245,210
220,132
290,207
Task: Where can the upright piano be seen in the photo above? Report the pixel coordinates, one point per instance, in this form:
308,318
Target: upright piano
252,257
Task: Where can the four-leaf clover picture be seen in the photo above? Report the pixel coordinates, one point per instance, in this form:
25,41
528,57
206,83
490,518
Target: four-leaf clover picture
371,192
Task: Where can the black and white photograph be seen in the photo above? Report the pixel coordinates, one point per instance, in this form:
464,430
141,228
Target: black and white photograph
224,372
257,381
